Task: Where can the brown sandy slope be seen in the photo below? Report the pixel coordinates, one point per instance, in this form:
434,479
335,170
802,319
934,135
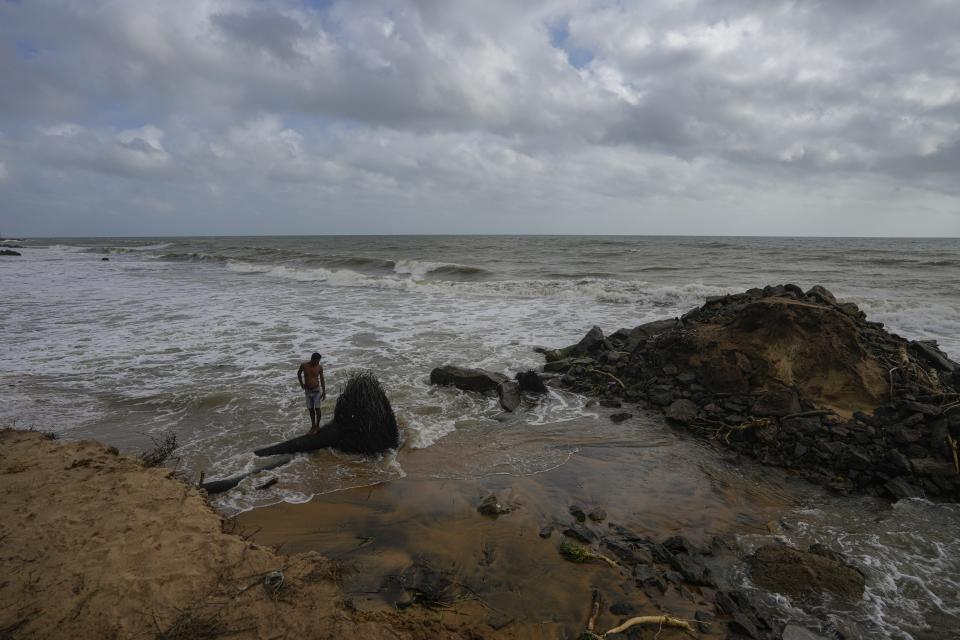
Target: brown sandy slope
810,347
93,545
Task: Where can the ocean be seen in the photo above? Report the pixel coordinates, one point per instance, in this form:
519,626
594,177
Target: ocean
203,337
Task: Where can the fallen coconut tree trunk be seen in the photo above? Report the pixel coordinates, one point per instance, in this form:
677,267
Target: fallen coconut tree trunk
363,422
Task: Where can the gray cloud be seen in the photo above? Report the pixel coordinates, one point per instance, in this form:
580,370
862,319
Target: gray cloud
238,116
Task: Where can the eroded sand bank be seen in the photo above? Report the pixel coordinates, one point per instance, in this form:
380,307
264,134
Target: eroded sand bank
94,545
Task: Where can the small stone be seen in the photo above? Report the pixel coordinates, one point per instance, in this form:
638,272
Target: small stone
580,534
598,515
682,411
644,574
617,418
490,506
610,403
546,532
577,512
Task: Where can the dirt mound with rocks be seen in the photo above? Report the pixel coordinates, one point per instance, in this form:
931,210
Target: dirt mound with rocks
796,379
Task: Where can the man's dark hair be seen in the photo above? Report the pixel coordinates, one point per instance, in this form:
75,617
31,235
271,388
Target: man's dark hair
315,356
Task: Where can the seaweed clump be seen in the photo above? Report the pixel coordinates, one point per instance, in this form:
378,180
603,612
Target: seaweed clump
364,418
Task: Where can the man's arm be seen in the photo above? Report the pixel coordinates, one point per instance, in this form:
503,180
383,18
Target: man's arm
300,376
323,385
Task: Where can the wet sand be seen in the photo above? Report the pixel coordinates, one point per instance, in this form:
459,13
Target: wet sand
514,583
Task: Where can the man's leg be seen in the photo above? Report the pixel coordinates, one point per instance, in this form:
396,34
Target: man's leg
313,420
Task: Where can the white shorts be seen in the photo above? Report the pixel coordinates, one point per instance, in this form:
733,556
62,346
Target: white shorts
313,398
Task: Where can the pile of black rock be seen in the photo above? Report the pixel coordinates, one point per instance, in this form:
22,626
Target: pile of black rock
901,443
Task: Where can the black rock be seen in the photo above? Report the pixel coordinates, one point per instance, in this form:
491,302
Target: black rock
902,488
531,382
610,403
577,512
467,379
776,402
591,342
682,411
9,252
509,392
925,409
491,506
857,459
692,570
580,534
617,418
644,575
558,366
726,603
678,544
546,532
938,358
743,626
819,293
597,515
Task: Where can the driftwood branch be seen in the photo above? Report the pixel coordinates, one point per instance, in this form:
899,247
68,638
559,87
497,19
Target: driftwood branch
594,610
663,621
808,414
611,376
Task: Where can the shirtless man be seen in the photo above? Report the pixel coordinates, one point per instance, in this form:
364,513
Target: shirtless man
310,375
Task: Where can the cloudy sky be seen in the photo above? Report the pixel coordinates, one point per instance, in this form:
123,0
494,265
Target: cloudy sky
129,117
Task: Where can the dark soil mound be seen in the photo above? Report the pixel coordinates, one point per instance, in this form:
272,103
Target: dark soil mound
794,379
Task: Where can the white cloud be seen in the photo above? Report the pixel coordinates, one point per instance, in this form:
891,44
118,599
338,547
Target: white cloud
440,112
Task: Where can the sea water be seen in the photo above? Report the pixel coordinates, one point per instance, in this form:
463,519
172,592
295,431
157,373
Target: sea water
203,337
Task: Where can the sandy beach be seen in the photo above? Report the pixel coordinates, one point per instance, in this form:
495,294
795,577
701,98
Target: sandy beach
94,545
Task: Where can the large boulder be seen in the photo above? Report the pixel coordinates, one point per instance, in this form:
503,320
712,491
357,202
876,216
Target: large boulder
9,252
805,575
467,379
